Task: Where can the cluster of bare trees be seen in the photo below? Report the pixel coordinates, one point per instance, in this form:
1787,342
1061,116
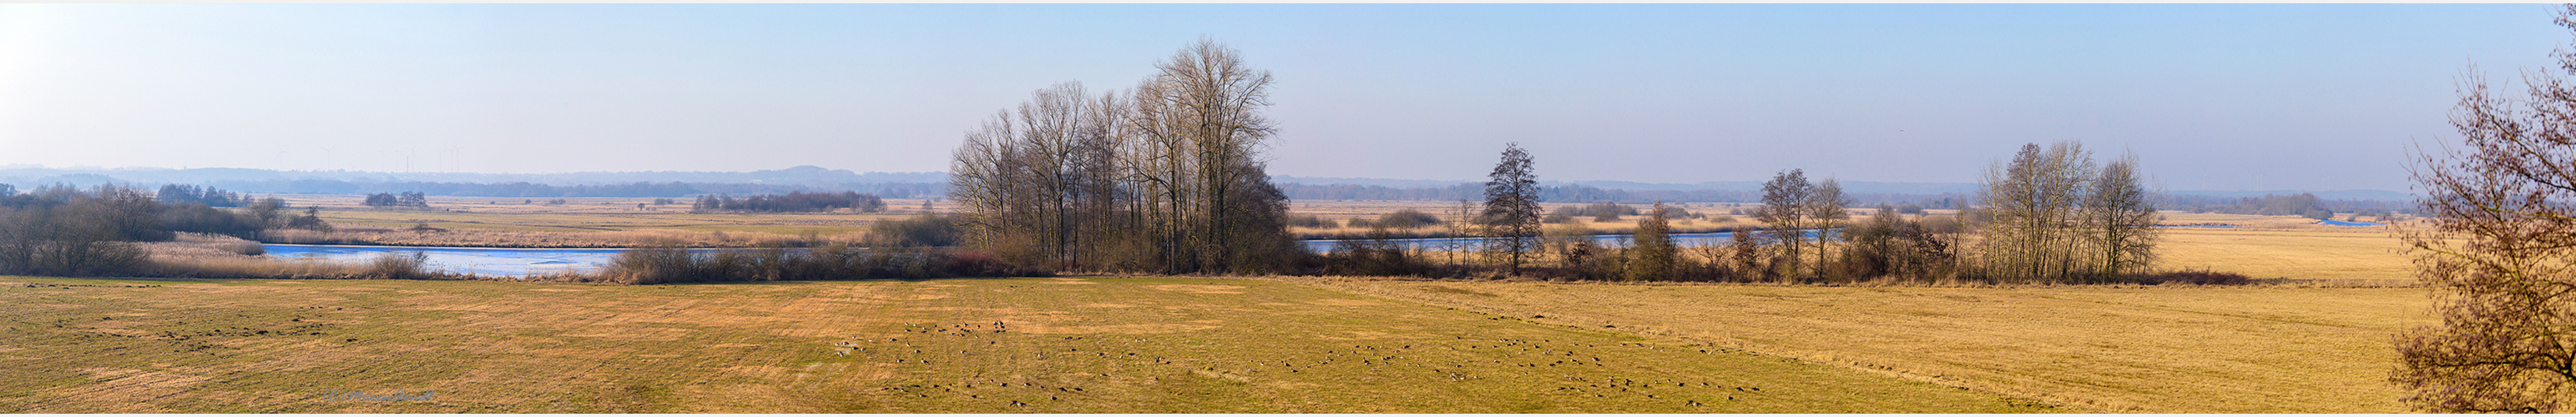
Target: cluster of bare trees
1796,209
1166,177
2057,216
2496,249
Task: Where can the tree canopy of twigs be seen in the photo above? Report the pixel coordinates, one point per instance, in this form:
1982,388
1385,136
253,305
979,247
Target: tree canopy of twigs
2497,247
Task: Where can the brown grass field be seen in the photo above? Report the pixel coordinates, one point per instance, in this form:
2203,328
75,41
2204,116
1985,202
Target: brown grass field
2263,349
1087,344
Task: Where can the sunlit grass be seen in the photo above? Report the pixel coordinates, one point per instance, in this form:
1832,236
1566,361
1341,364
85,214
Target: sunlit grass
2265,349
971,346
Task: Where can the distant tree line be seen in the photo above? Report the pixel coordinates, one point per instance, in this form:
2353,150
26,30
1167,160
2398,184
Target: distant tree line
175,194
795,202
2301,204
413,199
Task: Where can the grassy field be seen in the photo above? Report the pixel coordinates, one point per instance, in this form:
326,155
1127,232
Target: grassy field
2268,349
2360,255
992,345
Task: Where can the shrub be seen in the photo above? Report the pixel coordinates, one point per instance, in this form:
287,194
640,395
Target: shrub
2200,277
668,262
1375,255
925,230
392,265
1601,212
1310,221
1407,219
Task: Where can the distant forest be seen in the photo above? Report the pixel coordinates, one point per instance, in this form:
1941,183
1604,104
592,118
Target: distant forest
2301,204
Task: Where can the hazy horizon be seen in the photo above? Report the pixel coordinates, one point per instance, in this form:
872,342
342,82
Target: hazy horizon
592,177
2216,97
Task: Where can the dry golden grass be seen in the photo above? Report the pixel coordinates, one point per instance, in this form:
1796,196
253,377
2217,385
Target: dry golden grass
2261,349
1057,345
2361,254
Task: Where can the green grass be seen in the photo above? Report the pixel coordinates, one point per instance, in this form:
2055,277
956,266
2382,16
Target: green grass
1061,345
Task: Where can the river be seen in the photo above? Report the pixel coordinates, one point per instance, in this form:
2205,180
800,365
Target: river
528,261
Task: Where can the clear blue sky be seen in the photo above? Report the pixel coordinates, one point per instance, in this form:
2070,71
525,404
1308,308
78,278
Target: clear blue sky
2210,96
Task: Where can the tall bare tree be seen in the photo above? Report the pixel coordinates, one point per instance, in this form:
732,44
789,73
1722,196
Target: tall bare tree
1511,214
2496,246
1785,209
1824,207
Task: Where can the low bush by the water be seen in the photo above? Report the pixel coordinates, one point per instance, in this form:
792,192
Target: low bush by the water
926,230
670,263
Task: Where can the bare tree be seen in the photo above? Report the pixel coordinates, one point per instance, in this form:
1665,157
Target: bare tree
1785,208
2500,230
2036,232
1168,177
1197,133
1824,208
2122,218
1511,208
1460,225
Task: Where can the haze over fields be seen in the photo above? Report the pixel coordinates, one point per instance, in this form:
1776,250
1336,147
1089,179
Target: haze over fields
2212,97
